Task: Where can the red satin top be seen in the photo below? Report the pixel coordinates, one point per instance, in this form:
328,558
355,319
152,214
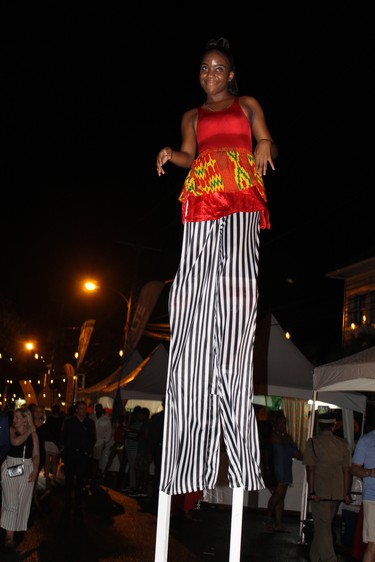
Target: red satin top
222,179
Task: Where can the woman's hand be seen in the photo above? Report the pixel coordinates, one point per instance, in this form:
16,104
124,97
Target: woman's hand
347,499
164,155
33,476
263,157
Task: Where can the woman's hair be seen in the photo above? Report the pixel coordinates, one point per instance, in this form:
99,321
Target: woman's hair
25,413
222,46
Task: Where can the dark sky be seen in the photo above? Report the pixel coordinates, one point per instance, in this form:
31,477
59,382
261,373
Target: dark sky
88,99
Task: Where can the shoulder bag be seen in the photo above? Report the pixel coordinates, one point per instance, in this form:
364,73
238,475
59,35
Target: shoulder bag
17,469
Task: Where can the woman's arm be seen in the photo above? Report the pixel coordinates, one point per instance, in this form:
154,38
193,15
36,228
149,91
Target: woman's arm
266,150
310,476
188,149
19,439
361,472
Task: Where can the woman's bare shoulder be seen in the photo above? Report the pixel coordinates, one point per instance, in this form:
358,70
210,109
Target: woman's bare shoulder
190,114
249,103
248,100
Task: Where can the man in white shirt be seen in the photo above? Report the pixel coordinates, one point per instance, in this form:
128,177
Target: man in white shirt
103,436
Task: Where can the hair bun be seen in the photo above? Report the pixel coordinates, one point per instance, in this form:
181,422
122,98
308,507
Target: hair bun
221,42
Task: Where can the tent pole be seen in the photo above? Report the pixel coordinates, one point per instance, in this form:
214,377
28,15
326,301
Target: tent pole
348,426
304,501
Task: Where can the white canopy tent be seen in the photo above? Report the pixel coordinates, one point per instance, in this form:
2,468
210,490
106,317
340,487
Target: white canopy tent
105,386
148,380
140,380
354,373
281,369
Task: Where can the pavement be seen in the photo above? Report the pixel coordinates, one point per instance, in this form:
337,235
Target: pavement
114,527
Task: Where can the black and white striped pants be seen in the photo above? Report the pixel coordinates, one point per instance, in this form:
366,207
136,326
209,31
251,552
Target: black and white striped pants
213,307
17,494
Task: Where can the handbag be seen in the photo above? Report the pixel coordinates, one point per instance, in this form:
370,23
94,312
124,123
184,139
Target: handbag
17,469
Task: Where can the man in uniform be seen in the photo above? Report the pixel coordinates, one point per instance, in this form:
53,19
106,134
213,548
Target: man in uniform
328,462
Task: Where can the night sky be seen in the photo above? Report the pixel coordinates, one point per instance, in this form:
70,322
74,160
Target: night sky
87,101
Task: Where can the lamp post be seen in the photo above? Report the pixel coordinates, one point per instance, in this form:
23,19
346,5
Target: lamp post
93,286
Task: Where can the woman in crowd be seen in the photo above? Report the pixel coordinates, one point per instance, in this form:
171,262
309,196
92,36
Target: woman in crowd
282,452
17,491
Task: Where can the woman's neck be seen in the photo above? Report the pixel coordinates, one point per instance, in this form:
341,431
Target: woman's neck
218,104
21,431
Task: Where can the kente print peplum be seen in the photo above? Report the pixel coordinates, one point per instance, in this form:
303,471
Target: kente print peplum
223,179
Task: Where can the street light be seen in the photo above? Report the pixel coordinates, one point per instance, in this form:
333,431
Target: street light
93,286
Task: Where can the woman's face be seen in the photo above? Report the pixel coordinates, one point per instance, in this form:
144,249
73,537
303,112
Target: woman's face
280,424
19,421
215,73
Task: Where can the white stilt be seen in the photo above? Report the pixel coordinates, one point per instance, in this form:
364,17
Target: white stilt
163,523
236,525
162,527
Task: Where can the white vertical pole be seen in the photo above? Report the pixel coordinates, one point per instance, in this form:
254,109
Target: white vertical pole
236,525
304,500
348,426
162,527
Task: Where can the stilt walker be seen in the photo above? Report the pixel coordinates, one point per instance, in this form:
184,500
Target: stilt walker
213,298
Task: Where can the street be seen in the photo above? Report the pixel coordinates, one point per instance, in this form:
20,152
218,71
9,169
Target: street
118,528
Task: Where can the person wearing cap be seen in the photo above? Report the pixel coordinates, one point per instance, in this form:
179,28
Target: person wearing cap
327,458
363,466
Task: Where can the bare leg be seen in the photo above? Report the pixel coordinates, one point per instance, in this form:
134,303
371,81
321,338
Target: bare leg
9,539
369,555
276,505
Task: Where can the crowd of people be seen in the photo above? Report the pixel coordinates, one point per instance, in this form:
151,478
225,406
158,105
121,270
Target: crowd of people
64,450
73,450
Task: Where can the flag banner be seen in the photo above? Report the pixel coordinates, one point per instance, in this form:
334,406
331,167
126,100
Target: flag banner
28,392
69,399
158,331
143,309
84,340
